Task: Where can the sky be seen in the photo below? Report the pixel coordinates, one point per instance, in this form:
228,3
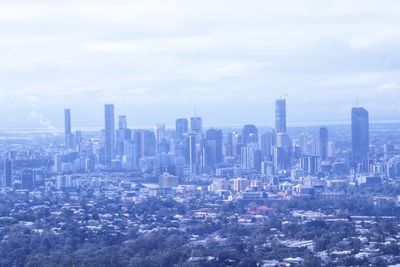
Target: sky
157,60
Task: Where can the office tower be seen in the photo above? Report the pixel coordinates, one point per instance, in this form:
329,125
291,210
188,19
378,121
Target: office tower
68,134
109,133
248,156
159,131
283,140
331,150
309,164
122,124
7,173
280,115
123,137
282,152
196,125
360,138
323,143
181,129
137,143
229,145
266,145
249,134
27,179
240,184
191,152
145,144
212,148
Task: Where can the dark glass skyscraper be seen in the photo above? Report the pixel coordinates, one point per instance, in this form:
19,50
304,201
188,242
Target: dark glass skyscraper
323,143
123,136
360,138
191,152
181,128
280,115
122,124
67,123
266,144
249,134
213,148
7,173
109,133
196,125
27,179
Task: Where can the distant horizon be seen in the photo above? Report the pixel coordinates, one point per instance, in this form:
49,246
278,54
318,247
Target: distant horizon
291,125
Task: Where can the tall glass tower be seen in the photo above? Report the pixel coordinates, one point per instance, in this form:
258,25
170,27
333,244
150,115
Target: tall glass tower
280,115
360,138
109,133
67,123
323,143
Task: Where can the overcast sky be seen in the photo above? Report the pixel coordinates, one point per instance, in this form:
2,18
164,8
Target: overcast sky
156,60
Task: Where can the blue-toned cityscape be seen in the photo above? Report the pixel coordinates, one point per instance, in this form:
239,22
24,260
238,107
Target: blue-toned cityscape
184,133
287,196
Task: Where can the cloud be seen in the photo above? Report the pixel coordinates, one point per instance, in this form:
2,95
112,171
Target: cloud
388,87
172,54
34,115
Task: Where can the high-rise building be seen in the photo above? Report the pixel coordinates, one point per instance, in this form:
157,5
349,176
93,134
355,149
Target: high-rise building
212,148
250,157
309,164
181,129
159,131
266,145
68,134
109,133
145,144
331,150
280,115
27,180
123,137
360,138
249,134
323,143
122,124
7,173
196,125
191,152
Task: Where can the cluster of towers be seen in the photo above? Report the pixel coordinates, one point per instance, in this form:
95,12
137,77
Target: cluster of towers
187,150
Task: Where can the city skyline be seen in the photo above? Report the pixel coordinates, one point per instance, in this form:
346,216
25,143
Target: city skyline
185,133
46,124
49,126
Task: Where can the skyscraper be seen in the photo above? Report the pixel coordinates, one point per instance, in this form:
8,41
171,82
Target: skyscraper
109,133
122,124
249,134
191,152
7,173
323,143
67,123
196,125
280,115
181,128
123,137
213,148
360,138
27,179
266,145
159,131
